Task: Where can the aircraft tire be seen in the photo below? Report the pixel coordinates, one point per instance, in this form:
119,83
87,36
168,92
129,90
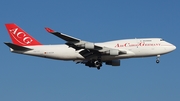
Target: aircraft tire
157,61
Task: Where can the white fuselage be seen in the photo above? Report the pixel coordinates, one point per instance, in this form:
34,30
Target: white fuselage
143,47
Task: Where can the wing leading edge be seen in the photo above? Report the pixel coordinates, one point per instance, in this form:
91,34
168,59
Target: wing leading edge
63,36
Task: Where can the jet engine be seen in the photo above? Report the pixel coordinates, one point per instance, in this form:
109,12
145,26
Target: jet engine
113,63
87,45
113,52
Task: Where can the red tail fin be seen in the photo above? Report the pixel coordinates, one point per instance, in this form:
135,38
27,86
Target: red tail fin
20,37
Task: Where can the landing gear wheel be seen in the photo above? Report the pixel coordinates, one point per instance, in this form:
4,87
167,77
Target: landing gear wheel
157,61
98,68
94,63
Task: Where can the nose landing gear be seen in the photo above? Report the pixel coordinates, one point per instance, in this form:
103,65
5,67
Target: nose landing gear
157,59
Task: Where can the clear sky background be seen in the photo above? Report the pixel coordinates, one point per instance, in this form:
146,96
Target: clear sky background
26,78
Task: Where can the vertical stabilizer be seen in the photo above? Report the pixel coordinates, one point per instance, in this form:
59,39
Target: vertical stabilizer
20,37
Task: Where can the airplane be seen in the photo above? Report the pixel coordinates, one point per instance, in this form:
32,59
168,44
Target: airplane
84,52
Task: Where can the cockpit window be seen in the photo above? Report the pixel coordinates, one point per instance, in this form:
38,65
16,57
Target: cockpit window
161,40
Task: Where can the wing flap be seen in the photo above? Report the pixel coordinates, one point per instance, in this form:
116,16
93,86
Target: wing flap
89,53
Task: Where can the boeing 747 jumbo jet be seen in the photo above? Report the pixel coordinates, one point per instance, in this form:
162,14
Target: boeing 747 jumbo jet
88,53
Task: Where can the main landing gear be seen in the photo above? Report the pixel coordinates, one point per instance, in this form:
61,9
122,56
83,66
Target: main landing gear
157,59
94,63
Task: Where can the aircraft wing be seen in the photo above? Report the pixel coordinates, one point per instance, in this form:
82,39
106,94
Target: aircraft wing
73,42
63,36
90,48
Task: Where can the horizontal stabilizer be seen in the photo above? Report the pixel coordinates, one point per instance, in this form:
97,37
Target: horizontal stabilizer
17,47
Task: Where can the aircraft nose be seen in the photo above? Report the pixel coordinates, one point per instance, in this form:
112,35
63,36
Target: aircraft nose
173,47
169,47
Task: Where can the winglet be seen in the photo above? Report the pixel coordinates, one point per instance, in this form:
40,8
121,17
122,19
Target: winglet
49,30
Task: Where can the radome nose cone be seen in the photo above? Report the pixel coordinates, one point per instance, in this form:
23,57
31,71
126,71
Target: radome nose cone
174,47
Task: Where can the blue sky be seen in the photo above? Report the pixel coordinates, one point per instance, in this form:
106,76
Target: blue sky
26,78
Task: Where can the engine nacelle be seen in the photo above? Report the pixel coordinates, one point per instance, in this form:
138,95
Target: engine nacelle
87,45
113,52
113,63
